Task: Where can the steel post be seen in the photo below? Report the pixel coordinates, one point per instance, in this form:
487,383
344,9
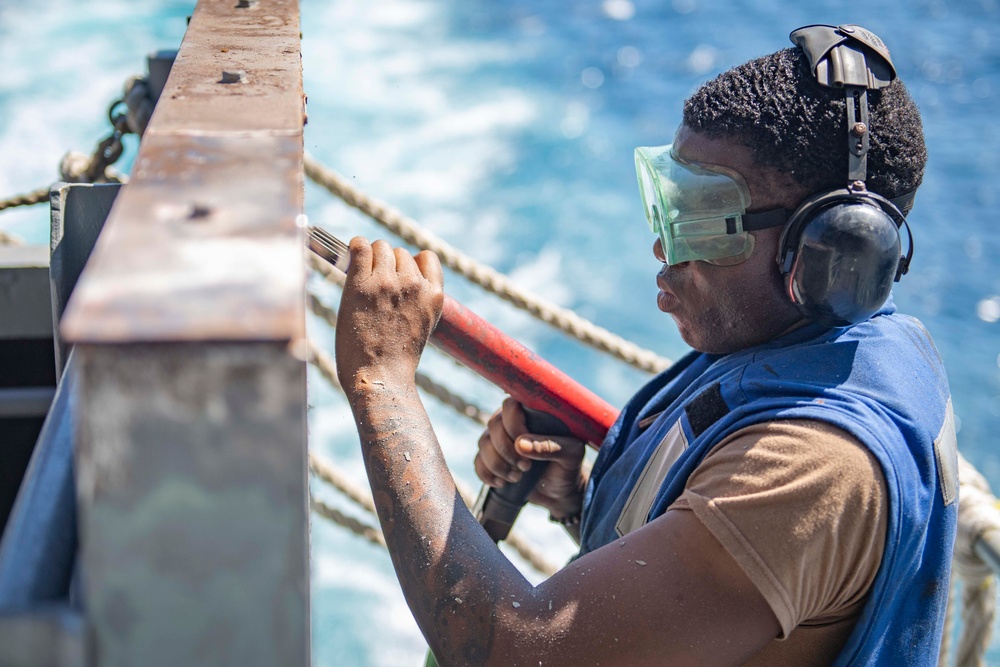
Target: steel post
186,326
77,214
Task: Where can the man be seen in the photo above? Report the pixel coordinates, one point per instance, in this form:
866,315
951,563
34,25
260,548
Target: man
784,495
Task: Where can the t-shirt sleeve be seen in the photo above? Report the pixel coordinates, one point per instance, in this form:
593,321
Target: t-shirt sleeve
801,506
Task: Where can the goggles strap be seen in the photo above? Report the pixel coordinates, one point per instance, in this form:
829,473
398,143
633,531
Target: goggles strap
753,222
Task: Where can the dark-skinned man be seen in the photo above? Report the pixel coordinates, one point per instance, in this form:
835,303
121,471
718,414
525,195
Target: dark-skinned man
783,495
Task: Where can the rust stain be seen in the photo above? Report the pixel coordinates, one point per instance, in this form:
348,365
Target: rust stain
203,243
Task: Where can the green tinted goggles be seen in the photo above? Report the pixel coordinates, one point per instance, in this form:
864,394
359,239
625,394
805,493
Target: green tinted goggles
698,211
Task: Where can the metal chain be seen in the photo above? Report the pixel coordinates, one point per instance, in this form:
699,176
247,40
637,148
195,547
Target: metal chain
110,148
127,115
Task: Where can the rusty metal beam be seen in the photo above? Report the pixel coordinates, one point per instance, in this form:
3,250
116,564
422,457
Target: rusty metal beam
191,430
204,243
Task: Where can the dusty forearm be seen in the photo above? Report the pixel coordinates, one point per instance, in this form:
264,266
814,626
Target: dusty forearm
453,576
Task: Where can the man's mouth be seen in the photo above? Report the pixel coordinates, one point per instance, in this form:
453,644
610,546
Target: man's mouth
666,300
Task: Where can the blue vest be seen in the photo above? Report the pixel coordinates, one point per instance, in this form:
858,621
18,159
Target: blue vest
883,382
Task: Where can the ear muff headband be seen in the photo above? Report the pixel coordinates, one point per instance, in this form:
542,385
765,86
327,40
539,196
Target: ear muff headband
840,250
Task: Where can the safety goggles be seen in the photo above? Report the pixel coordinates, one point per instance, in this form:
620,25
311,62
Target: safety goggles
698,211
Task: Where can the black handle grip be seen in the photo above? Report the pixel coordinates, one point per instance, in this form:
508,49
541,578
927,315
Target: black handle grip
496,509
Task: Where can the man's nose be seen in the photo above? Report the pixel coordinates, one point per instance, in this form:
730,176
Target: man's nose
658,251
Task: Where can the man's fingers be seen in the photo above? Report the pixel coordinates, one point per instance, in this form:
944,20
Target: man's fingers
484,473
564,451
361,256
383,256
491,461
500,442
513,417
430,267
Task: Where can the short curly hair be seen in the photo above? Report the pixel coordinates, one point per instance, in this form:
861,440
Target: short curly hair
775,106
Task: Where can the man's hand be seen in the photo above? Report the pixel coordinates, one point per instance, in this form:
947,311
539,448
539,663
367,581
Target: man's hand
391,303
506,450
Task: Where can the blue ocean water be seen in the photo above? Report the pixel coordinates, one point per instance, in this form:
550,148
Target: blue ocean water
507,128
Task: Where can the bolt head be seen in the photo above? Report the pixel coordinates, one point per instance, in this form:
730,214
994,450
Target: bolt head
199,211
234,76
859,129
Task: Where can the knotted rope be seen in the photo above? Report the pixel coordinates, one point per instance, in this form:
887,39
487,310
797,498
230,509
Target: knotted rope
6,238
977,516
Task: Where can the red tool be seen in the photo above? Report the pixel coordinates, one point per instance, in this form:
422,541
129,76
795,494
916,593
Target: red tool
568,407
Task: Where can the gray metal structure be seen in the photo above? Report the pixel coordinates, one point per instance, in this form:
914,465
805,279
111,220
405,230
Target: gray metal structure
183,405
41,622
27,375
78,213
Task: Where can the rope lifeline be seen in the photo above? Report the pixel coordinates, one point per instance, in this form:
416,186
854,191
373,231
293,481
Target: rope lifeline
370,533
324,469
8,239
490,279
28,199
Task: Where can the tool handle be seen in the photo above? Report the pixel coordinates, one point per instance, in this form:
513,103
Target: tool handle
497,509
474,342
541,388
529,379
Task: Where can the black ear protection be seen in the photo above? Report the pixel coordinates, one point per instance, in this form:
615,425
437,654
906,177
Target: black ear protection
840,250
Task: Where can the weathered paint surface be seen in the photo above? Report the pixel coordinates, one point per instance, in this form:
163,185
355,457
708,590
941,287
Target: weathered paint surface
191,480
78,212
203,243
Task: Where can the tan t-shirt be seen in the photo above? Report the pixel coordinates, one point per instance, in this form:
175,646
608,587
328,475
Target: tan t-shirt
801,506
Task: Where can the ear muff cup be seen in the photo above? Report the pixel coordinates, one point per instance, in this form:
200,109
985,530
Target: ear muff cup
840,253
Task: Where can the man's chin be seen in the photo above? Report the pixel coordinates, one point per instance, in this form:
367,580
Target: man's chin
692,341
